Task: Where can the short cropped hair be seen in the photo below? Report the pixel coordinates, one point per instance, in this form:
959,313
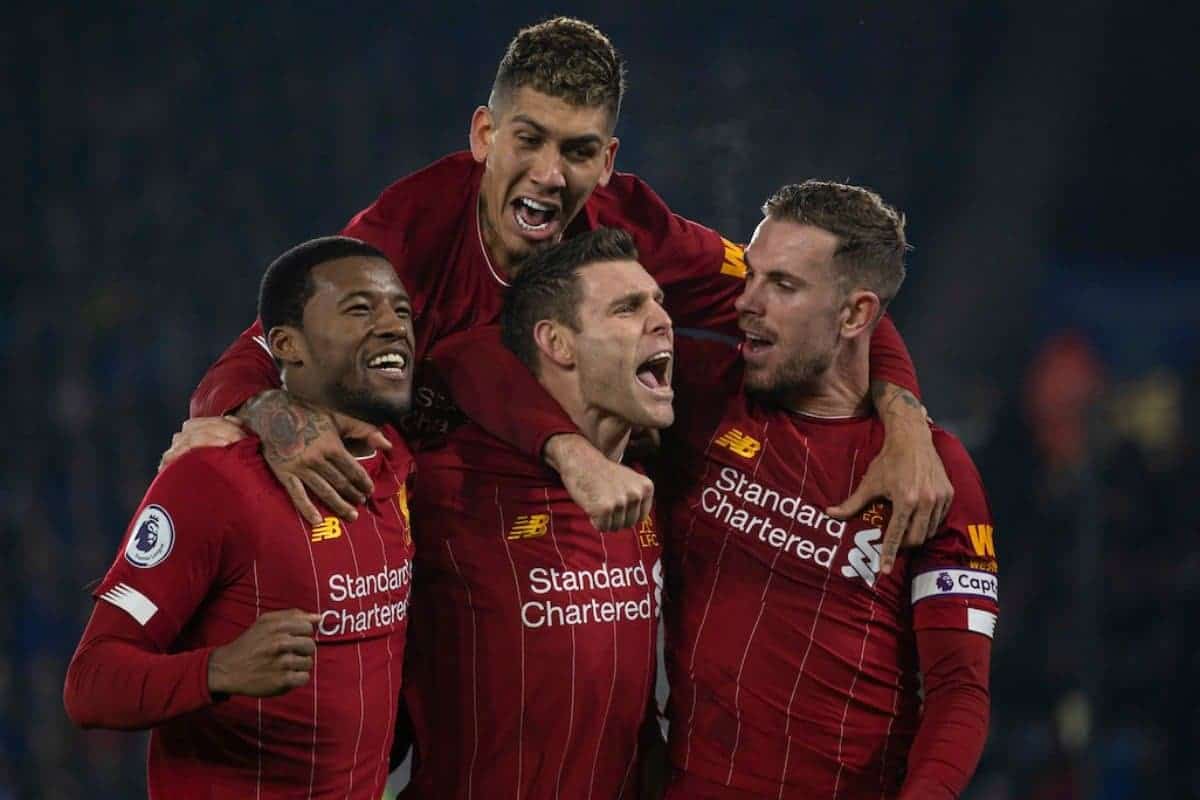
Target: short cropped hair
871,242
287,284
565,58
547,287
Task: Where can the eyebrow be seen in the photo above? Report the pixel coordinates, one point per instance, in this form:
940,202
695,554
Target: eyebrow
367,294
774,274
637,298
587,138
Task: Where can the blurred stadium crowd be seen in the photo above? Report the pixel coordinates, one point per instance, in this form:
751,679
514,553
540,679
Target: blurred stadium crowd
1051,309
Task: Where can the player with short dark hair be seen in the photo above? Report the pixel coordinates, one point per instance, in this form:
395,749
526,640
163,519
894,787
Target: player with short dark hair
264,652
553,291
531,659
541,169
798,667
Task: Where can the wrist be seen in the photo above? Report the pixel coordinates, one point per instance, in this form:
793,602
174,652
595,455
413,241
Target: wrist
218,674
560,448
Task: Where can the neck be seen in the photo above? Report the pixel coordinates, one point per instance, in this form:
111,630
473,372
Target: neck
489,239
843,390
299,389
607,433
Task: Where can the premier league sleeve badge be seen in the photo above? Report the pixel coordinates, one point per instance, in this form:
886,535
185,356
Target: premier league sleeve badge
152,538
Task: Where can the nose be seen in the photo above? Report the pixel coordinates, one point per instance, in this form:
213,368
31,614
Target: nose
547,169
749,302
658,321
390,325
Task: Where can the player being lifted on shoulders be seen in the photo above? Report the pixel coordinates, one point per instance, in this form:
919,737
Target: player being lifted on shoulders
532,649
540,169
795,662
265,652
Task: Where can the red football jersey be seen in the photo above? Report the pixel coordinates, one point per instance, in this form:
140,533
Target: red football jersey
215,543
531,656
792,661
427,225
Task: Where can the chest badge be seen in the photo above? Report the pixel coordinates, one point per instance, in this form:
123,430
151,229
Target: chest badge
326,529
739,443
529,526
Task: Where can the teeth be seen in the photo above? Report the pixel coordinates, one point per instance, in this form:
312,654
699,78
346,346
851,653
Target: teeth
389,360
664,355
536,206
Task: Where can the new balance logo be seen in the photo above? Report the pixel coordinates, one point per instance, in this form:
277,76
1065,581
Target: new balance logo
737,442
864,558
328,528
529,526
981,540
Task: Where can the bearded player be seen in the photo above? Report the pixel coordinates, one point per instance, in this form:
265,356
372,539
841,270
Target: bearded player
540,169
265,653
797,666
532,648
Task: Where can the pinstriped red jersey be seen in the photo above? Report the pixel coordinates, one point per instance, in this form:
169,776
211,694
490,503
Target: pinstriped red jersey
792,661
215,544
531,655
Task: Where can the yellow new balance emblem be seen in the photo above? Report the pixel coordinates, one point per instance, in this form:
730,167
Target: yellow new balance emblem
734,262
328,528
981,540
402,504
529,526
737,442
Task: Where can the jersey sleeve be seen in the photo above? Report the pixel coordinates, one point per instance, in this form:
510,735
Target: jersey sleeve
177,547
497,391
890,360
954,714
244,370
955,578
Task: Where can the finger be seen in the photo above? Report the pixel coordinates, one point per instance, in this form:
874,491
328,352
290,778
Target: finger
629,512
296,623
295,679
377,439
299,497
352,427
892,538
646,506
348,466
298,645
327,495
339,482
295,662
856,502
918,526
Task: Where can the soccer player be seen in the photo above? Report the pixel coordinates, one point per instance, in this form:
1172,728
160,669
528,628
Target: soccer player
541,168
531,661
797,667
264,652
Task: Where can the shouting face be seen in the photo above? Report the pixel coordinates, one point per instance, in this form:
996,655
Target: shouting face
624,348
543,158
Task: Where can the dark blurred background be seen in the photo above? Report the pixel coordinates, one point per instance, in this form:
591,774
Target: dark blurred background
1045,154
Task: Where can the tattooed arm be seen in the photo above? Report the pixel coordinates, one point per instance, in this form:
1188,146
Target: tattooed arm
907,471
302,443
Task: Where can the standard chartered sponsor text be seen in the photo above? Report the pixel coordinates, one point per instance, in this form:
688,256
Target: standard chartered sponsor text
546,612
735,500
344,586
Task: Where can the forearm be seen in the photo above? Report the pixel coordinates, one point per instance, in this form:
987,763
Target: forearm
476,370
899,409
954,719
116,681
243,371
